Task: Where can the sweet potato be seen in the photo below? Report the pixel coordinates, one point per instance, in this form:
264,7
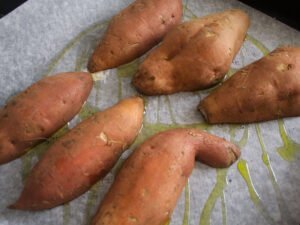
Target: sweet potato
148,185
82,156
133,31
195,55
40,110
264,90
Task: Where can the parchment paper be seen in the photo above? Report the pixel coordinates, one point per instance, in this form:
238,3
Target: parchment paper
44,37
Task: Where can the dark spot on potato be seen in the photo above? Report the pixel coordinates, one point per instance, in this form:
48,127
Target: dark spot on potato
68,143
81,78
151,78
112,52
152,147
13,142
64,101
27,130
42,129
289,66
173,16
214,24
13,102
5,115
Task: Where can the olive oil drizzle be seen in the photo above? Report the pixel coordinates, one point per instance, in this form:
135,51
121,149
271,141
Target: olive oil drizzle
91,202
170,109
218,190
186,215
264,50
158,109
66,214
224,209
187,11
168,222
244,139
97,88
71,45
126,71
216,193
81,59
120,91
244,171
87,110
129,69
289,149
265,158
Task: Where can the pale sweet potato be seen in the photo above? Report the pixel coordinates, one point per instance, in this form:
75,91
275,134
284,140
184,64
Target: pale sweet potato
40,110
195,55
148,185
82,156
264,90
133,31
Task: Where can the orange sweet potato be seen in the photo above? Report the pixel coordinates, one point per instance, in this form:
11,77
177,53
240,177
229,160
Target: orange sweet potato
195,55
82,156
264,90
148,185
133,31
40,110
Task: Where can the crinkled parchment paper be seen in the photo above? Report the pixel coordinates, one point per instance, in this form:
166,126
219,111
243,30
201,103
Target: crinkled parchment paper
44,37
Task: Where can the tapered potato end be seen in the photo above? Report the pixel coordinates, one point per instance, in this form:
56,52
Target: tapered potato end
94,65
267,89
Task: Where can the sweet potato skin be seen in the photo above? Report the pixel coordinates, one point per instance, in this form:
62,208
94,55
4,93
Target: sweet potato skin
82,156
133,31
195,55
148,185
40,110
264,90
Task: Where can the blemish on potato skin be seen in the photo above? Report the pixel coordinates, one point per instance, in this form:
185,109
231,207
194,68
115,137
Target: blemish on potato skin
42,129
144,192
163,21
289,66
5,115
102,136
244,71
209,33
229,51
192,134
132,219
281,67
61,195
68,143
45,202
13,102
86,174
